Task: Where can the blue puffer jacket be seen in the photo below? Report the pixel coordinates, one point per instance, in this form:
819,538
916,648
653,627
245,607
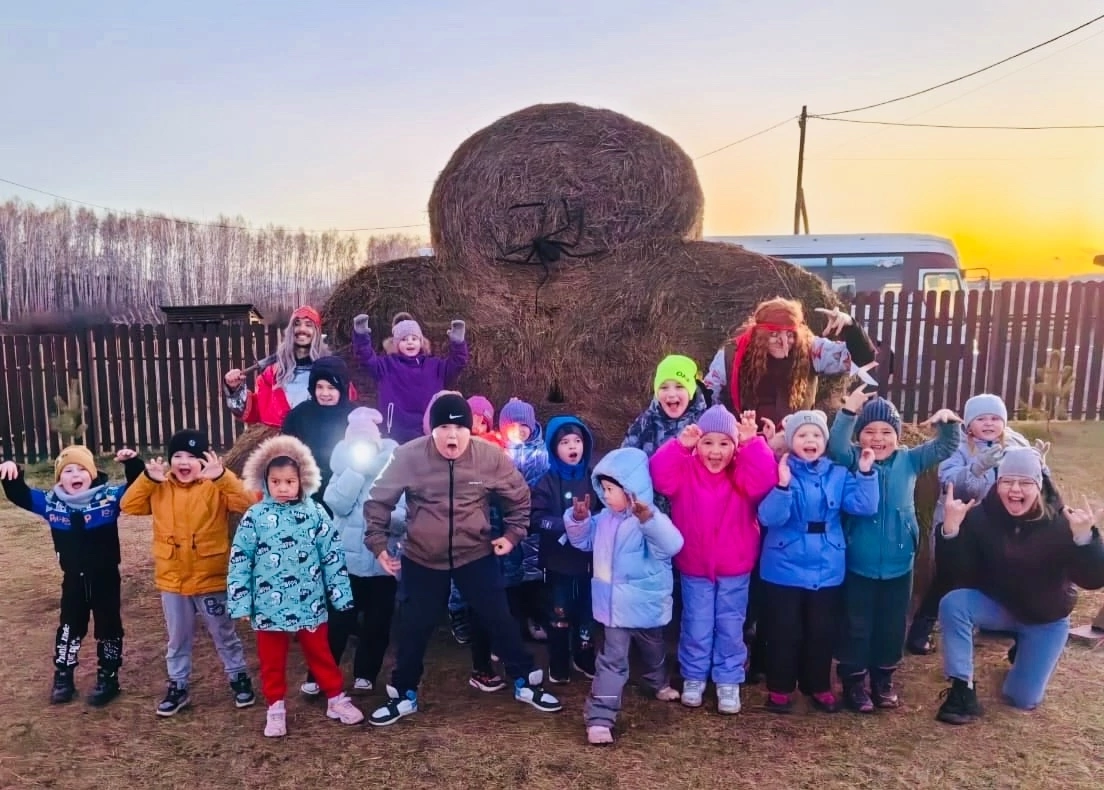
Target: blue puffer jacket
346,495
523,563
632,582
553,494
805,545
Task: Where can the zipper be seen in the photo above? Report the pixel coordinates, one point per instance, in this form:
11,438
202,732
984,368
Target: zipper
452,522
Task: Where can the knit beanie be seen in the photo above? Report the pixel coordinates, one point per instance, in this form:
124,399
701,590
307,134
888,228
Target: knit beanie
798,419
1021,462
450,409
79,455
878,410
483,407
718,419
331,369
571,429
191,442
364,425
405,328
517,412
677,368
983,404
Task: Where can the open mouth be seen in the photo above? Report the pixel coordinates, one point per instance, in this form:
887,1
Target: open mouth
573,457
77,485
808,453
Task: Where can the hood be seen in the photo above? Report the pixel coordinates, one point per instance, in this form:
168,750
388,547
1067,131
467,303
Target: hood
629,467
310,476
343,455
553,427
334,370
696,405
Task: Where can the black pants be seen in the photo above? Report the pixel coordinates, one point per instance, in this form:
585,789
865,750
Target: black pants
527,601
801,627
873,632
423,596
93,594
755,634
373,607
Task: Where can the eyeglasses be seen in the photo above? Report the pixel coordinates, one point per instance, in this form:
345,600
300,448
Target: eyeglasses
1007,484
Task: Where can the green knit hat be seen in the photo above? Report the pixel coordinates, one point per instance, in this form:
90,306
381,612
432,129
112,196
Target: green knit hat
677,368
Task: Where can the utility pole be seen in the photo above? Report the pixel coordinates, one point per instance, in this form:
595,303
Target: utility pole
801,214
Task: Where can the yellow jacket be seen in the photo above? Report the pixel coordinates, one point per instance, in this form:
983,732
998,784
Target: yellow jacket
191,531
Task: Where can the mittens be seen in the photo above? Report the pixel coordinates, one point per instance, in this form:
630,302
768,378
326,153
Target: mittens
989,459
456,331
360,325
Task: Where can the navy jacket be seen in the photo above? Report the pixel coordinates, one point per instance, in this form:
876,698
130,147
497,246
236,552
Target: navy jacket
553,494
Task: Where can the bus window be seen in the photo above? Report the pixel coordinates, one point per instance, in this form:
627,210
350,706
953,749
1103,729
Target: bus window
807,262
844,287
941,280
872,261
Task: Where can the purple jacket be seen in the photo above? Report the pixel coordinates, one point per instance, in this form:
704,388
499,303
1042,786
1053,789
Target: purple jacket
407,383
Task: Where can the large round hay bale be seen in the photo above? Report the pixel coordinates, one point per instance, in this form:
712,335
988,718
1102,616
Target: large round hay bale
243,447
599,177
587,341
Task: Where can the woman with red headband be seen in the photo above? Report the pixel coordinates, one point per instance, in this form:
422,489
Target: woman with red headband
283,381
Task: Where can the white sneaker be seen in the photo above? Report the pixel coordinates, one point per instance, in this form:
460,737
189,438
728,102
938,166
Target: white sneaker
667,694
311,689
692,691
362,684
343,709
599,736
276,722
728,698
530,691
396,708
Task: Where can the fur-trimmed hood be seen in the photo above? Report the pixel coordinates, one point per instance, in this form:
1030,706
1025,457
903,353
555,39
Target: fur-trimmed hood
255,474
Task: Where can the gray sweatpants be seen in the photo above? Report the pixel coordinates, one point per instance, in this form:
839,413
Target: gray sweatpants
181,612
612,671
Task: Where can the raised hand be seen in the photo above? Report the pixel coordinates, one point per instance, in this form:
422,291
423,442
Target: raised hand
212,467
748,427
9,470
689,436
390,564
580,508
124,455
866,460
943,415
785,476
954,512
360,325
456,331
837,320
988,459
1081,521
1042,448
769,428
856,398
156,470
502,546
233,379
641,510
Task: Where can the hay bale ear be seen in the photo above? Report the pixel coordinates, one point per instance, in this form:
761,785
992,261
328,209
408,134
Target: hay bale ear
401,317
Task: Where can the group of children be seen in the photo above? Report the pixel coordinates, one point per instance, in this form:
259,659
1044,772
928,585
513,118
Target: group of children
819,520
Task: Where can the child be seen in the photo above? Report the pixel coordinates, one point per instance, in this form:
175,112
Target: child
83,513
483,420
571,624
357,461
881,549
972,470
319,421
804,560
715,474
406,374
678,402
285,565
633,544
190,502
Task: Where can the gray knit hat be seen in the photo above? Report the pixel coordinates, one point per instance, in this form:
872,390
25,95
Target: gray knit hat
983,404
795,421
1022,462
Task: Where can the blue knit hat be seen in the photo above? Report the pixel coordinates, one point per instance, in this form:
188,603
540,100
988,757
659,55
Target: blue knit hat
718,419
517,412
983,404
878,410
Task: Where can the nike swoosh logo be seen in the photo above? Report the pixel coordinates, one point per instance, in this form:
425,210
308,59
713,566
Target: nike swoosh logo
455,416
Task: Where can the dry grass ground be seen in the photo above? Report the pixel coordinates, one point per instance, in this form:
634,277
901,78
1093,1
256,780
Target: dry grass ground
463,738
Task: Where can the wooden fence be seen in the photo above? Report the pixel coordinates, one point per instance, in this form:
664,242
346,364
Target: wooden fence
140,384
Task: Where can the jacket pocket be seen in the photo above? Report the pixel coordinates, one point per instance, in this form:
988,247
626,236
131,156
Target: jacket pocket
909,528
163,550
207,545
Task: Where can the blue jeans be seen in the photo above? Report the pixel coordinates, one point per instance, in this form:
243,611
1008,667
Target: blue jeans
1037,654
712,633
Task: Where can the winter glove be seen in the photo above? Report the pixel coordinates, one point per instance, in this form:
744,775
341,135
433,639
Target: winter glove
989,459
360,325
456,331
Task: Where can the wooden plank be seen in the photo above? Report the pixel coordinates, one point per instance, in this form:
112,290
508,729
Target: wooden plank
74,350
998,342
984,338
7,445
35,449
137,388
114,386
126,429
948,348
204,344
53,385
104,404
168,376
1061,319
150,366
920,325
1082,342
961,367
1091,410
229,338
17,420
1018,316
901,365
189,372
1040,343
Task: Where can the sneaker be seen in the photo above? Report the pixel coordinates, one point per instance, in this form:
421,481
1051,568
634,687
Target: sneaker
276,721
395,709
779,703
556,680
362,685
529,690
825,702
960,704
106,688
599,736
486,681
882,692
667,694
728,698
243,691
537,632
461,630
692,691
311,689
856,698
343,709
176,697
920,641
63,689
583,666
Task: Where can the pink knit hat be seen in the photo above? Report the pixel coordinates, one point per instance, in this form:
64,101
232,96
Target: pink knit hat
483,407
364,425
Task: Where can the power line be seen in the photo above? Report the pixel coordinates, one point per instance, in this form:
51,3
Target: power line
964,76
958,126
194,223
745,139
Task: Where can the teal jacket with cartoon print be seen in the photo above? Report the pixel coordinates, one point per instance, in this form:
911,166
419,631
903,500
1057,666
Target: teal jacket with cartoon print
287,560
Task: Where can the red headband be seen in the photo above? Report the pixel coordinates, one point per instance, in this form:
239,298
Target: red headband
774,327
309,313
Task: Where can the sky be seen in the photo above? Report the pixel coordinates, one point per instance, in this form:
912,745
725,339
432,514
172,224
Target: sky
341,114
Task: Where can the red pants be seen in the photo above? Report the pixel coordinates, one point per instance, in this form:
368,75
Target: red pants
272,650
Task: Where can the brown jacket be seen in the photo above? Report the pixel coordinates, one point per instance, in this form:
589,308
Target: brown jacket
447,502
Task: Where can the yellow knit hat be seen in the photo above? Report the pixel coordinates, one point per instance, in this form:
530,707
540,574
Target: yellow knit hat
677,368
79,455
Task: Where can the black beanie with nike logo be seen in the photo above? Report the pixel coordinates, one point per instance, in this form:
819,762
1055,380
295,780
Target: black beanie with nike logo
450,410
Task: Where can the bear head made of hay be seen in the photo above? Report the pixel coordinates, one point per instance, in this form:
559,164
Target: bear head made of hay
624,284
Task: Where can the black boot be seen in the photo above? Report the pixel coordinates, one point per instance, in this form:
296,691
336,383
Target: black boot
559,655
882,691
960,704
110,655
920,641
64,690
585,659
855,696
